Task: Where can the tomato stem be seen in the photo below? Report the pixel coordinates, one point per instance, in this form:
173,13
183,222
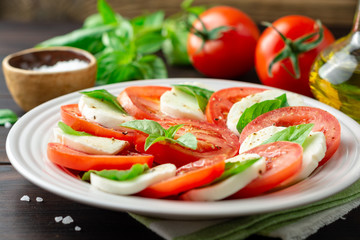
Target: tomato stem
292,49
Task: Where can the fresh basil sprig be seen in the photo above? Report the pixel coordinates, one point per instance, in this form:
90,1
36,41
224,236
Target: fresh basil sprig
296,134
119,175
257,109
68,130
201,95
157,133
233,168
7,115
106,97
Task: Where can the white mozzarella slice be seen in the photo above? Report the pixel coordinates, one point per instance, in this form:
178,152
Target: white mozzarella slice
99,112
90,144
238,108
231,185
314,149
152,176
178,104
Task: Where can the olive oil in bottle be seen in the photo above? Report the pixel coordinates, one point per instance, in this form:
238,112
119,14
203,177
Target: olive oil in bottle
335,76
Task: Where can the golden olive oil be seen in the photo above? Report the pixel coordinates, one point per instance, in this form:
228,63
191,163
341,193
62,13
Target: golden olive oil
335,77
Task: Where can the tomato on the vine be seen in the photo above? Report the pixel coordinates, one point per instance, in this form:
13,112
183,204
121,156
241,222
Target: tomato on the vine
286,51
222,42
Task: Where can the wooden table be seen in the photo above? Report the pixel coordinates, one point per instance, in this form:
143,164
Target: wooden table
35,220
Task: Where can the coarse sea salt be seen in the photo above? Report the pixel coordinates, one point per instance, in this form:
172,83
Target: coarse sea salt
58,219
77,228
39,199
67,220
25,198
63,66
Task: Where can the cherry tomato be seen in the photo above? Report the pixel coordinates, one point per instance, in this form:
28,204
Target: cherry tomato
231,52
72,117
290,116
282,72
70,158
143,102
221,101
212,141
283,160
190,176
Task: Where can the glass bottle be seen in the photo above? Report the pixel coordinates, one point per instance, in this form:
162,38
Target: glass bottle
335,76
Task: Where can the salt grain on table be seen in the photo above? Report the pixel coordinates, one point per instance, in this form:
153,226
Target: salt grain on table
25,198
67,220
39,199
58,219
77,228
63,66
7,125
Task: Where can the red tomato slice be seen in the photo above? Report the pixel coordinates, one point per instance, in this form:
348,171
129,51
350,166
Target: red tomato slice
212,141
71,115
143,102
283,160
190,176
290,116
221,101
70,158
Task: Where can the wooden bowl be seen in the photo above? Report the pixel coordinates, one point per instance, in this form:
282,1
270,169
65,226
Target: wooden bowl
29,88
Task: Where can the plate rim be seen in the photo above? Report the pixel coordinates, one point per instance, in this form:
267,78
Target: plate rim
175,214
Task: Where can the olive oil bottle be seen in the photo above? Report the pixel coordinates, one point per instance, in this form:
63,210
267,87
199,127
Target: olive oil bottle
335,76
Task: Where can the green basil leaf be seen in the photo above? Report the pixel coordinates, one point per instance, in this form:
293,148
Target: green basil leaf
149,43
7,115
151,139
171,131
85,38
296,134
151,67
147,126
202,95
68,130
148,22
233,168
187,140
107,13
258,109
119,175
105,96
94,20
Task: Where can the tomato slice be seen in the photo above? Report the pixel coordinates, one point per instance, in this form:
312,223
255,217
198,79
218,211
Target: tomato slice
190,176
221,101
70,158
290,116
283,160
143,102
71,115
212,141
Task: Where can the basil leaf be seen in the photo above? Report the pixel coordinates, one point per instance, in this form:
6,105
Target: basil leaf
148,22
147,126
233,168
7,115
68,130
105,96
187,140
260,108
151,67
119,175
149,43
296,134
171,131
107,14
202,95
151,139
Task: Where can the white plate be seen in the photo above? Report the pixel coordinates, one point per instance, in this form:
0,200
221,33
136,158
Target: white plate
28,138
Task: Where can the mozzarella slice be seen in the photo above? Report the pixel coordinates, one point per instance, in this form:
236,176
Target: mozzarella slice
96,111
178,104
314,149
230,185
238,108
90,144
152,176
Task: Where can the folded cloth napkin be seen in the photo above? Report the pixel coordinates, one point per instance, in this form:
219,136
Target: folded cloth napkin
292,224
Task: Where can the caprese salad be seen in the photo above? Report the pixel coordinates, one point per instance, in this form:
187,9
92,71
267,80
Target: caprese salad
189,142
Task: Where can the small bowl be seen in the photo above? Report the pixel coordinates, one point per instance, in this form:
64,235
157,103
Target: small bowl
29,87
